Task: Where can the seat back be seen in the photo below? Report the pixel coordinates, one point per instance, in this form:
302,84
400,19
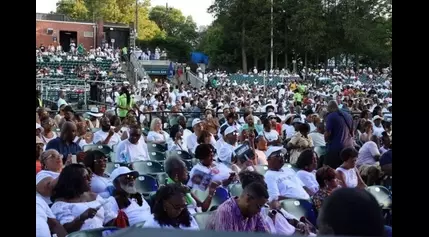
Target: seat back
202,218
152,147
300,208
146,184
262,169
157,156
99,232
235,189
182,154
382,195
147,167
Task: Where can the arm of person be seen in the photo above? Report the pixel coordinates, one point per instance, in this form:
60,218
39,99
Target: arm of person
273,189
341,178
374,151
45,186
56,227
109,136
361,184
293,143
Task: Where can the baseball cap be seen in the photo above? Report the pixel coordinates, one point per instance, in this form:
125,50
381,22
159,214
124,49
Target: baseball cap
196,121
275,149
68,108
230,130
377,117
121,171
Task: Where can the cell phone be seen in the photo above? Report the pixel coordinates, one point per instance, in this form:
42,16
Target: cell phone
74,159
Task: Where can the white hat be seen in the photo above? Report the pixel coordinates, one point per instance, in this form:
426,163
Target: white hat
273,149
288,116
196,121
39,127
377,117
125,82
94,112
229,130
271,114
121,171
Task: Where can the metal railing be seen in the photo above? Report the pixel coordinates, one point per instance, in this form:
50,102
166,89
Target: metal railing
138,68
195,81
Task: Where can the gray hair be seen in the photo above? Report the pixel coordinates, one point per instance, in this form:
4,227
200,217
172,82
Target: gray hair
172,164
154,121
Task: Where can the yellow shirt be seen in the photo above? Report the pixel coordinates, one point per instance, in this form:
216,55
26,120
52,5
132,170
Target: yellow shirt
123,103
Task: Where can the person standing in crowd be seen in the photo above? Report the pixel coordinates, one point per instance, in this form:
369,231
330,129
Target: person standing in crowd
125,103
241,214
338,134
39,102
61,99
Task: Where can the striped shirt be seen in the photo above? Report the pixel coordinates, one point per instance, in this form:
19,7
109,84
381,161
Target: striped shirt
229,218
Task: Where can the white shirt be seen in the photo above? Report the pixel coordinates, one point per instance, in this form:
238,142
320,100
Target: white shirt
350,177
127,152
290,130
378,130
66,212
135,213
41,176
43,212
60,102
225,152
157,137
284,183
309,180
152,223
367,153
99,185
100,136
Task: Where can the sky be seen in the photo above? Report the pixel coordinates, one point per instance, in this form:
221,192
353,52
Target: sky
196,8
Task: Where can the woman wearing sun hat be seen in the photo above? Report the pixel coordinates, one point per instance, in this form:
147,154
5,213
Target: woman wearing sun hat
94,116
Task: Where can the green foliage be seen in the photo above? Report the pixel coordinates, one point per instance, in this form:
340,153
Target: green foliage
116,11
359,29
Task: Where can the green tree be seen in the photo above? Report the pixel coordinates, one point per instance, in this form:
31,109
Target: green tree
74,9
174,23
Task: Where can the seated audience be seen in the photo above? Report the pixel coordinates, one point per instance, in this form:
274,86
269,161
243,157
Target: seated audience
132,149
46,179
96,162
327,180
307,164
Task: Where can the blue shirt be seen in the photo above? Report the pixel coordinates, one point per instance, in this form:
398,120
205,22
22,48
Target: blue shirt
63,148
386,158
338,124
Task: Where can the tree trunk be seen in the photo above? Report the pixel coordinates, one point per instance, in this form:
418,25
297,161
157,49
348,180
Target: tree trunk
276,61
317,60
243,49
286,51
266,62
255,62
305,65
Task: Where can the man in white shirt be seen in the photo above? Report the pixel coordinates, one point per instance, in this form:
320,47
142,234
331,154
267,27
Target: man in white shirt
132,149
318,138
282,183
191,140
61,99
377,127
226,148
368,161
106,135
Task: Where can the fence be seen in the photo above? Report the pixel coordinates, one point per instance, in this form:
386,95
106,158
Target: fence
77,91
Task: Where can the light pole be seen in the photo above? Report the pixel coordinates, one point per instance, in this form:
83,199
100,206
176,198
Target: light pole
272,36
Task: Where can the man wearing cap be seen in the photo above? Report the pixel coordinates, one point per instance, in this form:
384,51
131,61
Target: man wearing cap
227,147
377,126
191,141
125,199
282,183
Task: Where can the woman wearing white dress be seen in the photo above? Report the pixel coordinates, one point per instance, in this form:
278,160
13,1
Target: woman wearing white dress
75,206
170,209
96,161
156,134
307,164
52,164
347,174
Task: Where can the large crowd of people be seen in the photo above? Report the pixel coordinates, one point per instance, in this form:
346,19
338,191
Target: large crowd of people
294,157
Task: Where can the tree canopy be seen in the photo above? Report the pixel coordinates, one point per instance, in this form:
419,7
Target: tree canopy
311,31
